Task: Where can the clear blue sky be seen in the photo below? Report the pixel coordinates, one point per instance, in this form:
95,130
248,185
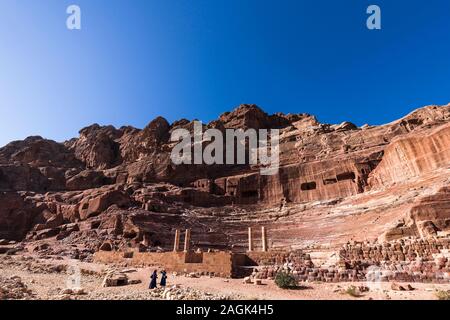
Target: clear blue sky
135,60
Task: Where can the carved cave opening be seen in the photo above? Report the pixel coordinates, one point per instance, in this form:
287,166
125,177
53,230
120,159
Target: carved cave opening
330,181
308,186
250,194
346,176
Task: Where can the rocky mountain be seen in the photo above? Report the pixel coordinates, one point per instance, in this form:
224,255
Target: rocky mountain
336,183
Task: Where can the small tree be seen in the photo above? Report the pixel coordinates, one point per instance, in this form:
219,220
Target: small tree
285,280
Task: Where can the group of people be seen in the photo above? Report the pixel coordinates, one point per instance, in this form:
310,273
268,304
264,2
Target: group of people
154,279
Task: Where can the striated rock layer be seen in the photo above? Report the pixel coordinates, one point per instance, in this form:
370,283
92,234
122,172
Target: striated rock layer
118,187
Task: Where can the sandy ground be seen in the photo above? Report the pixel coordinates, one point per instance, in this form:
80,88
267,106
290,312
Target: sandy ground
49,286
308,291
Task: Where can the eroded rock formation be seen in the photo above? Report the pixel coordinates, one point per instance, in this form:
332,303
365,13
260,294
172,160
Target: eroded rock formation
335,183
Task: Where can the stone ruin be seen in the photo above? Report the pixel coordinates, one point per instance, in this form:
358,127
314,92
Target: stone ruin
213,263
411,260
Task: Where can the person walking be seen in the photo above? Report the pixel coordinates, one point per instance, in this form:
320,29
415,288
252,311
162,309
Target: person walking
163,278
153,278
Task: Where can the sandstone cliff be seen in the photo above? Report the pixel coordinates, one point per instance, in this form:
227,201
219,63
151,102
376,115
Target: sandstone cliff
336,183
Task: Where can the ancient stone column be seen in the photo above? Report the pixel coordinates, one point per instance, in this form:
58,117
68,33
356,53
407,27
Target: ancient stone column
264,239
250,240
145,240
176,244
187,240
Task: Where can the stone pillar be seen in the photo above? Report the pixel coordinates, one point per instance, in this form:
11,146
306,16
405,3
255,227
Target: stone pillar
264,239
176,244
250,240
146,240
187,240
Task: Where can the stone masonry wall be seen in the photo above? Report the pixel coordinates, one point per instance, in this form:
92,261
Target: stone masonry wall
404,260
211,263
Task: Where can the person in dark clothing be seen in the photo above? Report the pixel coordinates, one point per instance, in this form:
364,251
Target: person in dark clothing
153,278
163,278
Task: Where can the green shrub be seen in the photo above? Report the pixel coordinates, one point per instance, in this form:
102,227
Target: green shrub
285,280
443,295
353,291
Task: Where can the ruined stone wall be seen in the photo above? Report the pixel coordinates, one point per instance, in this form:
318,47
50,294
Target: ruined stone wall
278,257
203,185
212,263
412,260
401,250
416,260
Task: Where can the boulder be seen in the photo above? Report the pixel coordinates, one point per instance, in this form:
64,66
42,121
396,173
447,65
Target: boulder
115,279
87,179
92,207
69,212
67,230
6,248
396,287
54,222
97,146
106,246
16,216
47,233
247,280
13,288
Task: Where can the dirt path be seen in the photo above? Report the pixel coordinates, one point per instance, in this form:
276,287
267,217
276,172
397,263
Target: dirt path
311,291
48,285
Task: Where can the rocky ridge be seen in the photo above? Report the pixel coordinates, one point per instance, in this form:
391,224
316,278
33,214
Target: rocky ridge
118,187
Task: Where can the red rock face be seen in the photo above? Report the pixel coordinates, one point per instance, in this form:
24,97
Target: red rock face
16,216
335,183
413,155
433,212
93,205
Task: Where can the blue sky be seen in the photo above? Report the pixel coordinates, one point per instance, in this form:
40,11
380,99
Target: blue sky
135,60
